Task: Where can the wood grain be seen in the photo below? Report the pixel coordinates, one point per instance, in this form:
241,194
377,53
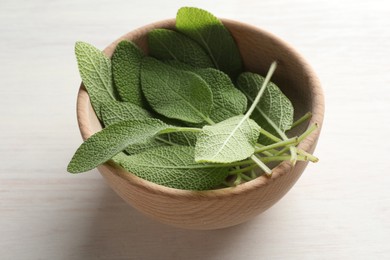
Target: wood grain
338,209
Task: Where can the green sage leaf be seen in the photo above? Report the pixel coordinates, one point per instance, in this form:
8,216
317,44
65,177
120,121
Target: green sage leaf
180,65
144,146
181,138
175,94
115,111
209,32
113,139
95,72
126,68
228,101
166,44
228,141
275,111
175,167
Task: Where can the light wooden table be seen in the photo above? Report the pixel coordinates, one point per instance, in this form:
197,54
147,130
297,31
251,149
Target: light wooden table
339,209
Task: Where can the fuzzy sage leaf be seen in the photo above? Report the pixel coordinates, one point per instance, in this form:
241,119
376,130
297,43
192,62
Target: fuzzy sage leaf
166,44
175,94
228,101
228,141
212,35
175,167
233,139
113,139
274,105
95,72
126,69
115,111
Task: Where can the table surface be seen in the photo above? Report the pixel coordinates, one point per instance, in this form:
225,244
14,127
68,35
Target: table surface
339,209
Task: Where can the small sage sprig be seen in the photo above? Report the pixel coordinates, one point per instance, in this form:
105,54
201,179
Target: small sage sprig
188,117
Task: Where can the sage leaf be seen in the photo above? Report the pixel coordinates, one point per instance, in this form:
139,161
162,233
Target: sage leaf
174,166
166,44
228,101
95,72
113,139
176,138
208,31
115,111
275,111
180,65
126,68
254,106
175,94
181,138
144,146
119,157
228,141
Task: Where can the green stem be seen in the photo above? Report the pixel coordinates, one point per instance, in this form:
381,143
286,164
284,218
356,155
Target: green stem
253,173
310,130
293,149
245,177
285,149
288,142
233,164
266,153
238,180
269,135
283,158
270,152
300,138
271,70
307,155
251,161
294,156
262,165
301,120
245,169
303,156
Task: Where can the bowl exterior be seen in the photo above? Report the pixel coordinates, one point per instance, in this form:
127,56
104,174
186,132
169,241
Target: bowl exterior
221,208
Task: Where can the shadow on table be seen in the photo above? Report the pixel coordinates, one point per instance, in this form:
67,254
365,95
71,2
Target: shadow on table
120,232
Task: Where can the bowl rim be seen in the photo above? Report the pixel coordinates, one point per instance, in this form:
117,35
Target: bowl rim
84,110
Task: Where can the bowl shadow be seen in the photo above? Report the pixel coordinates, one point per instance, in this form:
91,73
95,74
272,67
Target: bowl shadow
119,231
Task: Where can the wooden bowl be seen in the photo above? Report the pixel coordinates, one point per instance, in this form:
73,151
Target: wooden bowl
226,207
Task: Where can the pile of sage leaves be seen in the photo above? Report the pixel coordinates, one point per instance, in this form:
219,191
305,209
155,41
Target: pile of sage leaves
186,115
